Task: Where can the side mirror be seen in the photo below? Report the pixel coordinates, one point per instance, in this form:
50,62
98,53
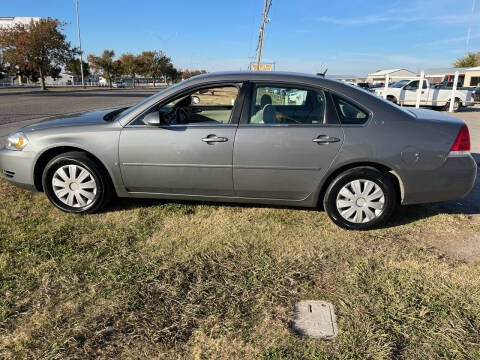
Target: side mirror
153,119
195,100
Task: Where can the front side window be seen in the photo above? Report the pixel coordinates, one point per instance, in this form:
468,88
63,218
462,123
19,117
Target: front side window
206,106
287,105
349,113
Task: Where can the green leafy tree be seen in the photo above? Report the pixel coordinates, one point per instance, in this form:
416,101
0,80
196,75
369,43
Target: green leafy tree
131,65
471,60
154,64
118,69
172,74
74,68
36,49
103,65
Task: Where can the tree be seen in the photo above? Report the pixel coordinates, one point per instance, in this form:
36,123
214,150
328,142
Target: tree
103,65
172,73
3,67
36,48
471,60
118,69
73,67
131,65
187,74
153,64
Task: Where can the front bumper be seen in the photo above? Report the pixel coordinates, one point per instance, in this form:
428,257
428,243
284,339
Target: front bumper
452,181
17,168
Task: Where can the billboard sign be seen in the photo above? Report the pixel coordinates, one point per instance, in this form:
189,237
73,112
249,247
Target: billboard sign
263,67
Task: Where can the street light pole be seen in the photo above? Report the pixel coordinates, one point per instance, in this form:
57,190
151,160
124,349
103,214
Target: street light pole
80,45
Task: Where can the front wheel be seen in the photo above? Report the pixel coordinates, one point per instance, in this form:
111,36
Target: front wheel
360,199
75,183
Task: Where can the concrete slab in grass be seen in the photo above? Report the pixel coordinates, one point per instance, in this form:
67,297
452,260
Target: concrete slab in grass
315,319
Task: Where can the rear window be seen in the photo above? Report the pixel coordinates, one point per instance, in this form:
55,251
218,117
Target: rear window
349,113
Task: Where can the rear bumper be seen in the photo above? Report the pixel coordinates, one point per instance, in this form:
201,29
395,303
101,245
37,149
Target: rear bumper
453,181
17,168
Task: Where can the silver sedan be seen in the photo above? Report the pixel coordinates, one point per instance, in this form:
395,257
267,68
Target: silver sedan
244,137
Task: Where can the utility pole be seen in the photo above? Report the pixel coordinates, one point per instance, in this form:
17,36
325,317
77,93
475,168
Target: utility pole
470,27
266,9
80,45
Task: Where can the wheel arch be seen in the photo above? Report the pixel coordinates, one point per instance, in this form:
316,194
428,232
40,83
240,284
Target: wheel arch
397,181
50,153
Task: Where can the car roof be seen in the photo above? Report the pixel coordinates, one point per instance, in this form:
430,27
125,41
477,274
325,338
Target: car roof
262,76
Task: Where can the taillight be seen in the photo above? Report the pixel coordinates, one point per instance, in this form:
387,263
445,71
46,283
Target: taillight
462,142
473,95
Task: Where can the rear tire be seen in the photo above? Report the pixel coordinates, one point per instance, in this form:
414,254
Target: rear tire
457,105
360,199
74,183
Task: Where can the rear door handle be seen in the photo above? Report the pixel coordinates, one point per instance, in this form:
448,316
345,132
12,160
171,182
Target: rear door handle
325,139
214,138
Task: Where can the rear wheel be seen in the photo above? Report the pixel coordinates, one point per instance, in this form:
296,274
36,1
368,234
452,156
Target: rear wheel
360,199
457,105
75,183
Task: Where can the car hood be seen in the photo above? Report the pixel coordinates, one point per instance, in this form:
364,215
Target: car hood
87,118
432,115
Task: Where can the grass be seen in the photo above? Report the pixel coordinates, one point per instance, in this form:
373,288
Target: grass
152,279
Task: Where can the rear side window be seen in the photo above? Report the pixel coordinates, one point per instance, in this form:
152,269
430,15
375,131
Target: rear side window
287,105
349,113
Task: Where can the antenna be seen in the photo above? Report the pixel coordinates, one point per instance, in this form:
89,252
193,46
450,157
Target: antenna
322,73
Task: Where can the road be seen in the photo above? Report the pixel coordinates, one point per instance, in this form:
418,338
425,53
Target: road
23,107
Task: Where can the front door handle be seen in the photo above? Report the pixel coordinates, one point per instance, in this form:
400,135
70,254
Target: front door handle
214,138
325,139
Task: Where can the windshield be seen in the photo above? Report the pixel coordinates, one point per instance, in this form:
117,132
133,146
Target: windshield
135,107
400,84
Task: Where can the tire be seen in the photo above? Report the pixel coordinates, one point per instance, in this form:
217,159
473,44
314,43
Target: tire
363,207
392,99
91,191
457,105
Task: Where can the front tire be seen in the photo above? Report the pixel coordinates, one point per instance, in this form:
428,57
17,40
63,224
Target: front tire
74,183
360,199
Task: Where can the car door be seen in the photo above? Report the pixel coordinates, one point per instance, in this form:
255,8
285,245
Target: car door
410,93
193,157
284,146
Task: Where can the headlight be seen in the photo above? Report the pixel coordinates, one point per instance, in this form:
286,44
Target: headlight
17,141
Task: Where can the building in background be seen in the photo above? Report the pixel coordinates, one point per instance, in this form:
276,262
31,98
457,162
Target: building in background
380,76
351,79
467,77
7,21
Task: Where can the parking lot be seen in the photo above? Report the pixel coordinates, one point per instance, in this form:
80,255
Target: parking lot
150,278
25,106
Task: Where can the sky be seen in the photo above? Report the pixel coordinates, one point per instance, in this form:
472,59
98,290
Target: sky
349,37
